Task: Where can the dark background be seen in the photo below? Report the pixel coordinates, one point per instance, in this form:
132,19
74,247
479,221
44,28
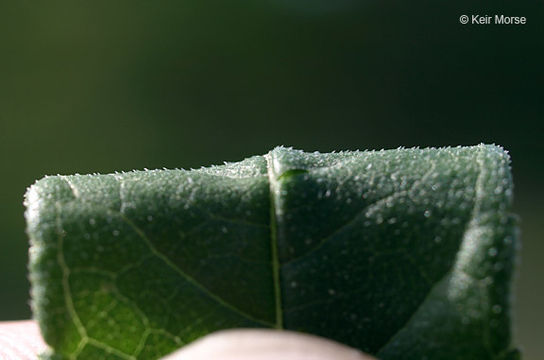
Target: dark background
99,86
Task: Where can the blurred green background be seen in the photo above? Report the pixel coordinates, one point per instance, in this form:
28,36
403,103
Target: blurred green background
100,86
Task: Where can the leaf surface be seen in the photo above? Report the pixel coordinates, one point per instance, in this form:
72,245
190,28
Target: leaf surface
404,254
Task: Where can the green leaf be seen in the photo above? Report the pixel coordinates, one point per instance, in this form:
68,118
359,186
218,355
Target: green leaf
404,254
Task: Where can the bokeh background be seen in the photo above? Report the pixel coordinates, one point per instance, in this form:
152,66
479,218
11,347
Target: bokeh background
100,86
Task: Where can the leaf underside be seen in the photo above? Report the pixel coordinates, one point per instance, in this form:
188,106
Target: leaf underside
404,254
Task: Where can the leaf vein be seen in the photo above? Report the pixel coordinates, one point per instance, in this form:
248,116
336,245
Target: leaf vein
189,279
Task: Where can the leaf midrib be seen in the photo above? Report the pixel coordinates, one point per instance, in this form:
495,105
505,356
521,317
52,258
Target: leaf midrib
274,245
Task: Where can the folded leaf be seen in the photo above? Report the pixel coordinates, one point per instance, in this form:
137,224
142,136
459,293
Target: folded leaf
404,254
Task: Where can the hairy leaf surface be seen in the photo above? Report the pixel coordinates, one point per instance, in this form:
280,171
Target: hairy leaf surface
404,254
